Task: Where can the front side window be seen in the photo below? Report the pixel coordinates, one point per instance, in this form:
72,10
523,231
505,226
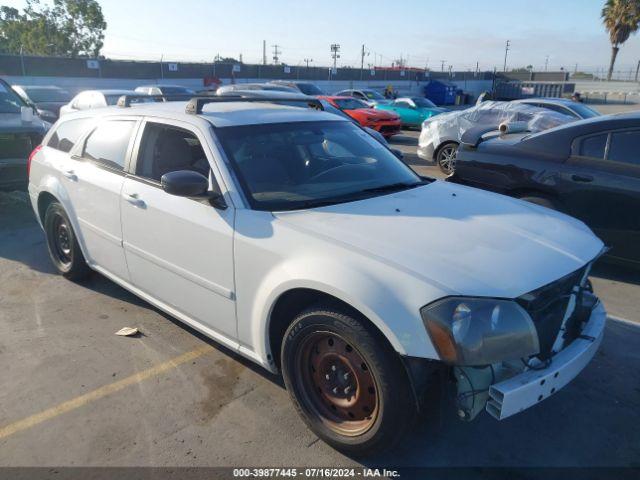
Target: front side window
624,147
309,164
402,104
67,134
594,147
109,142
310,89
372,95
167,149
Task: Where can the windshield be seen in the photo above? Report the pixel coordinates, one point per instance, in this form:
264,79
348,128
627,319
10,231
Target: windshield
350,103
10,102
309,164
38,94
584,111
423,102
373,95
309,89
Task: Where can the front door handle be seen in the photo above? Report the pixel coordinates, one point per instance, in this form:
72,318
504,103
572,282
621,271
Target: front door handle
582,178
135,200
71,175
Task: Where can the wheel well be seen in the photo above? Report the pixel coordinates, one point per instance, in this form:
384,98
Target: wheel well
532,192
44,200
292,302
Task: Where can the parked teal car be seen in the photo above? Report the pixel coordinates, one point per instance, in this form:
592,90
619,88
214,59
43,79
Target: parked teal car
412,110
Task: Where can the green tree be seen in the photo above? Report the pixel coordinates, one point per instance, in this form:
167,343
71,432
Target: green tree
621,18
67,27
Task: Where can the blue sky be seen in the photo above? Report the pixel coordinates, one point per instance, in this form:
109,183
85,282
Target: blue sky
461,32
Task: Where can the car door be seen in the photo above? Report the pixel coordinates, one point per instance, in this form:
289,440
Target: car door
179,250
604,188
93,176
408,113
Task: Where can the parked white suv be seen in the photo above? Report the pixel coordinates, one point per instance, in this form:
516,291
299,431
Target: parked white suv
294,238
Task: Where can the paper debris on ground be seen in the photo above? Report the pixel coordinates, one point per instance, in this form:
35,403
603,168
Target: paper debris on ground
127,332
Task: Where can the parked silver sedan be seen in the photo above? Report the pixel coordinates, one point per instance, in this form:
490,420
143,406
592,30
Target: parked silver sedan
440,135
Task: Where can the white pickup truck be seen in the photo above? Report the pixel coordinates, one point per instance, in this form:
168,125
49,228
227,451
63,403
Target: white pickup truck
293,237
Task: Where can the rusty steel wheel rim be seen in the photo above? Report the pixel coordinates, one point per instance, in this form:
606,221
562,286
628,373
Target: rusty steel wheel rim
337,384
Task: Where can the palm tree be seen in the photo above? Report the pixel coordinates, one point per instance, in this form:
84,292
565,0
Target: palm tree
621,18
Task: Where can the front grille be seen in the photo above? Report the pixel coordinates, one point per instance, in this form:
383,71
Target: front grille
547,307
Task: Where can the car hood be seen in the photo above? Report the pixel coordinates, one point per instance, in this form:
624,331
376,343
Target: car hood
12,123
462,240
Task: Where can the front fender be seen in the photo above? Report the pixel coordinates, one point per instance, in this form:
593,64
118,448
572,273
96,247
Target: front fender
266,269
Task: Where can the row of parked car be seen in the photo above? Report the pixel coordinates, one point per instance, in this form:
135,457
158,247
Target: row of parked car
560,176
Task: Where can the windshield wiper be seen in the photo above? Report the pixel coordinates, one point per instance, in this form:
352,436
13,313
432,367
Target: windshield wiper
393,187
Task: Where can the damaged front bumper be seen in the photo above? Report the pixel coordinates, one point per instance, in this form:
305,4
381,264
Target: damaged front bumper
506,389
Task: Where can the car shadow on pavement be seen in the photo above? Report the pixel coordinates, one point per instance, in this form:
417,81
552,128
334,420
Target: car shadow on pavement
617,273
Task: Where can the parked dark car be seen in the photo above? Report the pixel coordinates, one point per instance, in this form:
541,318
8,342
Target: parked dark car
20,132
46,99
172,93
589,169
307,88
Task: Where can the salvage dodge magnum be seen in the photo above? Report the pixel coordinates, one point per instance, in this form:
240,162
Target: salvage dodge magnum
293,237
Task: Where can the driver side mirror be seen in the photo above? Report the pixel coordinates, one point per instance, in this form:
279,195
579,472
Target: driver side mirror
187,183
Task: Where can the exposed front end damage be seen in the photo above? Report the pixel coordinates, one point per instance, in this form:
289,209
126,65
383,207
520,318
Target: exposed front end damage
509,387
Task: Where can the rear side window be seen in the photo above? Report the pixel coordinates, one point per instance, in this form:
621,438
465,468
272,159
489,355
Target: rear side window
594,147
109,142
624,147
67,134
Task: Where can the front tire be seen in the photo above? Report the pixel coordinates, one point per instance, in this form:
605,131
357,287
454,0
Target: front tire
446,157
62,244
346,382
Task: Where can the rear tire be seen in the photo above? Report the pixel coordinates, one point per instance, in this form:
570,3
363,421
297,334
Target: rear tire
346,382
446,157
62,244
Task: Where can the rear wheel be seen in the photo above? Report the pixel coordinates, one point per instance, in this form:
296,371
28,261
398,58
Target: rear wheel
446,157
63,245
346,382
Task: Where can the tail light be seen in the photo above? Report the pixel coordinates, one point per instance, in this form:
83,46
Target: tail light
33,154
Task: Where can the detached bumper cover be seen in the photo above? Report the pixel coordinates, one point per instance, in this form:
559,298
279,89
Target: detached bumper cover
524,390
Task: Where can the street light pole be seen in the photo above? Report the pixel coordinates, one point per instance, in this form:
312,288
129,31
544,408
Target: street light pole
506,52
22,61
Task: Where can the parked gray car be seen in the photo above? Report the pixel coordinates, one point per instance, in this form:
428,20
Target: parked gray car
47,99
20,132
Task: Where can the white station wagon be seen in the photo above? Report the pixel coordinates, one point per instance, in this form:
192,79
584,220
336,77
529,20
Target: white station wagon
293,237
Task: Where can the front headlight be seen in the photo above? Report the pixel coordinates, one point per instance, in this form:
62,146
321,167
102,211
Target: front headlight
479,331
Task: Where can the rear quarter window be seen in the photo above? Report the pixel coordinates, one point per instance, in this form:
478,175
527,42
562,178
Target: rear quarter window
67,134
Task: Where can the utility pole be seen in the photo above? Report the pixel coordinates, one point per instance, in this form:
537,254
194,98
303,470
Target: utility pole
362,62
308,61
546,63
22,60
442,66
506,52
264,52
335,48
637,70
276,53
161,67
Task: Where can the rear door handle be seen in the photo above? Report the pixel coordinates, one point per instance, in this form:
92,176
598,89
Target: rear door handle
582,178
71,175
135,200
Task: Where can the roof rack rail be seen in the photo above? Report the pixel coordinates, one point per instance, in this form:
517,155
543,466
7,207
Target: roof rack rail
195,105
126,100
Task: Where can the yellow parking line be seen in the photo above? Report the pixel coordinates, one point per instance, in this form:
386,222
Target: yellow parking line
101,392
